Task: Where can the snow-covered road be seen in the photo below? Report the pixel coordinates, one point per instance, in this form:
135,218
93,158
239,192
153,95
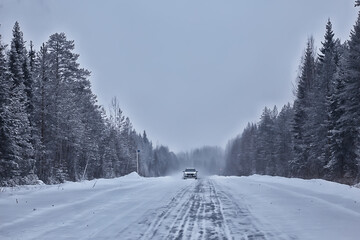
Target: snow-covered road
131,207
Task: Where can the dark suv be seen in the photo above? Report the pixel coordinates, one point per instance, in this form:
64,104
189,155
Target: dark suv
190,173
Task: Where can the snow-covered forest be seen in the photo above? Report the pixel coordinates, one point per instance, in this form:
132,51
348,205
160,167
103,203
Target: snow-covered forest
51,127
318,136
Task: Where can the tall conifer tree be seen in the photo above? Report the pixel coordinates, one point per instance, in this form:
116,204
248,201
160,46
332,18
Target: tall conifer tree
19,103
345,159
299,165
8,165
318,122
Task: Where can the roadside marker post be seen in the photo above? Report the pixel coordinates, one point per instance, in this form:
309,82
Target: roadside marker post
137,161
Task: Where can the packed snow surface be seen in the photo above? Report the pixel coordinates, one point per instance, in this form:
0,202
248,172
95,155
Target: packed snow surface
133,207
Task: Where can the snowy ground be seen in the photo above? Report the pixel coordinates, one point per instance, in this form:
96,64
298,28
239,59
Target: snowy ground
131,207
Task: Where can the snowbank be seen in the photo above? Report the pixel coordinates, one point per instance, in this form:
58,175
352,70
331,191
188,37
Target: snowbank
133,175
305,209
121,208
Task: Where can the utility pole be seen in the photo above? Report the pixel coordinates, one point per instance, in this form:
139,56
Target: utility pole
137,161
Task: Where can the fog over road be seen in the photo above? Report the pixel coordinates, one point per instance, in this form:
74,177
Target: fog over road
132,207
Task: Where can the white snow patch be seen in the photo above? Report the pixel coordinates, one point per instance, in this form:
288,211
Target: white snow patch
133,175
303,209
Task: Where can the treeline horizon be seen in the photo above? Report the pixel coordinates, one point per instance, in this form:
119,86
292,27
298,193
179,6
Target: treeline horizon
318,135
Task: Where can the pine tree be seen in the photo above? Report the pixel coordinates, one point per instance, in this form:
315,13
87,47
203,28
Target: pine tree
41,98
64,95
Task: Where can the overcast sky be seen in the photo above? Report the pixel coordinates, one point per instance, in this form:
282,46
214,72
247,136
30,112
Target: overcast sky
190,73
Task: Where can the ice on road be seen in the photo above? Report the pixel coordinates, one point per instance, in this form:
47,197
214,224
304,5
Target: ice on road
132,207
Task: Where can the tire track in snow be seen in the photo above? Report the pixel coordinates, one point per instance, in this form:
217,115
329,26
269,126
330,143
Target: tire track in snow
78,214
61,207
243,224
199,211
177,205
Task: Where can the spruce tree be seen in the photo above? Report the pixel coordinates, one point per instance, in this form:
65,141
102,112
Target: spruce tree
32,56
345,156
8,165
318,122
302,135
283,141
265,162
334,169
19,103
247,150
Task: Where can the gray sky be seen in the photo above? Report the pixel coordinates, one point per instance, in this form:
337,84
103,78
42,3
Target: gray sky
190,73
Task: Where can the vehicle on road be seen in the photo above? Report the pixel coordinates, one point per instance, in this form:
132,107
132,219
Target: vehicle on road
190,173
